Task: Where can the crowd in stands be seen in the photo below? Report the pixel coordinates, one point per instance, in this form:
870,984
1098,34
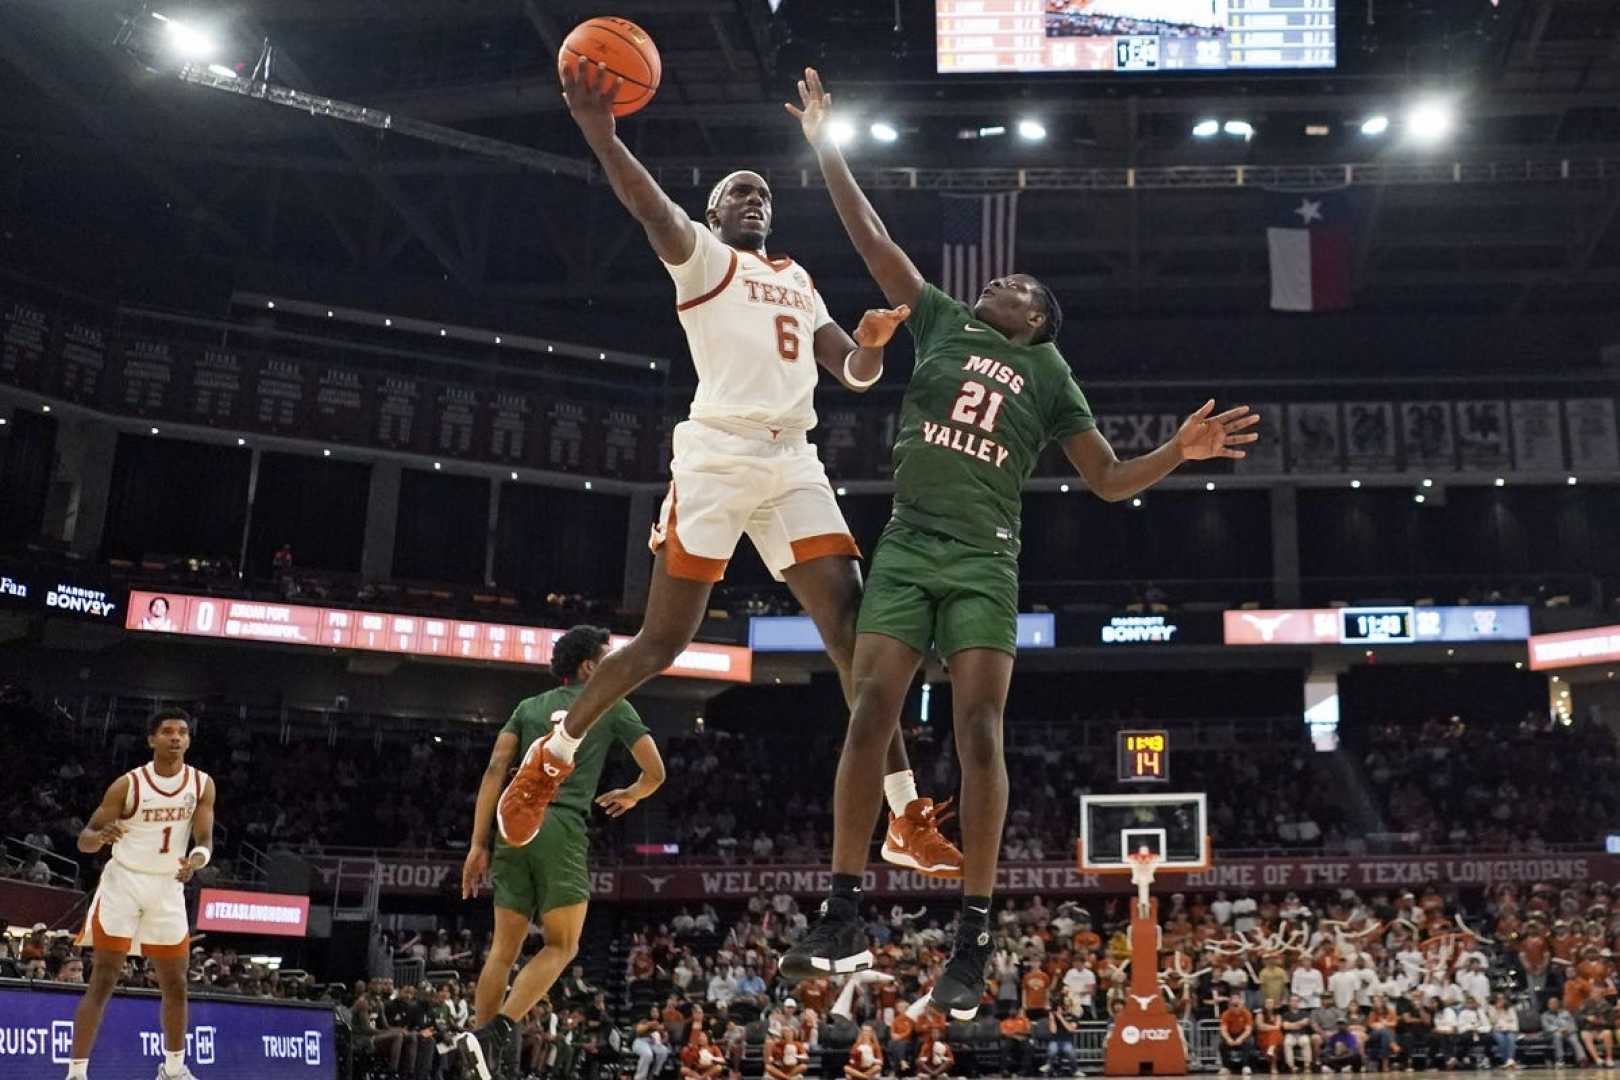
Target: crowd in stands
1333,981
1492,783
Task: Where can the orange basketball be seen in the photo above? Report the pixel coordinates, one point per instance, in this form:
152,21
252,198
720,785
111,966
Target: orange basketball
627,52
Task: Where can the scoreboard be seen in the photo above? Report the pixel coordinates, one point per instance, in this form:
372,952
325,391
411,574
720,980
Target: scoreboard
1144,757
1134,35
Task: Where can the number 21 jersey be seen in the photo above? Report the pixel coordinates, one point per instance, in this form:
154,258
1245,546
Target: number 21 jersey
977,414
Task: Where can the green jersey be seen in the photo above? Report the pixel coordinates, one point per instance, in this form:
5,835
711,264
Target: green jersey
535,717
975,419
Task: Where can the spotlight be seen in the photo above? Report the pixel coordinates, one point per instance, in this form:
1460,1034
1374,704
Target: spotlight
1063,488
188,43
841,131
1375,125
1318,130
443,331
1429,120
601,356
1137,503
438,465
1355,484
271,304
1419,497
1427,482
328,453
154,431
1031,130
497,339
1240,129
883,132
388,322
1571,481
1209,485
241,442
1206,129
328,314
587,485
992,131
44,408
841,492
221,70
652,365
1501,481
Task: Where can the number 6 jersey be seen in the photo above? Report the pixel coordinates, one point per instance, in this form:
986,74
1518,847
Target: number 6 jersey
750,324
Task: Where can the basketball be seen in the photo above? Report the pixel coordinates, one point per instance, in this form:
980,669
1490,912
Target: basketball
625,49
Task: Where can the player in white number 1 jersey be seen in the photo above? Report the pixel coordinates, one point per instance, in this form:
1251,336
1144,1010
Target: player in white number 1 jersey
159,821
757,330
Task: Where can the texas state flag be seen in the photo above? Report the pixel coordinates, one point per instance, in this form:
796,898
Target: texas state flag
1310,237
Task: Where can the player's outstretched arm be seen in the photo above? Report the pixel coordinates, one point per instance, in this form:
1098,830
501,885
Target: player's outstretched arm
103,828
1201,436
890,267
589,91
476,866
857,362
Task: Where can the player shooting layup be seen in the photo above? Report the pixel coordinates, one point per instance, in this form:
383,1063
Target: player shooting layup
150,816
742,463
989,390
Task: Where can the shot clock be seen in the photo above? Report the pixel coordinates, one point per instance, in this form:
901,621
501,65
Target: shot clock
1144,757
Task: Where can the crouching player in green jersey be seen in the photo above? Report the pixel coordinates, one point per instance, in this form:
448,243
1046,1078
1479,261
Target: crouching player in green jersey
548,879
988,392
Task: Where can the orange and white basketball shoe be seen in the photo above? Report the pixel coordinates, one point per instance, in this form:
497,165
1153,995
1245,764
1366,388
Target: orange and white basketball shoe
522,809
913,839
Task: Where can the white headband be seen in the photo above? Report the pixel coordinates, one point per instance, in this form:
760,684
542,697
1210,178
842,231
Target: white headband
720,188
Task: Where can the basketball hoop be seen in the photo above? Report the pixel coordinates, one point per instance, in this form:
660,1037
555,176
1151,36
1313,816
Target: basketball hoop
1143,864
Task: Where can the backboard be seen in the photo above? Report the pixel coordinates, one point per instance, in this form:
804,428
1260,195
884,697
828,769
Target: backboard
1172,825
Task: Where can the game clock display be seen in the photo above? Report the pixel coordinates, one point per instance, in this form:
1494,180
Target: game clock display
1144,757
1377,626
1134,35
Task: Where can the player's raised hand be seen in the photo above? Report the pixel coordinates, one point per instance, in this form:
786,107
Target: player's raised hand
878,326
188,866
618,802
1208,434
815,104
590,89
474,871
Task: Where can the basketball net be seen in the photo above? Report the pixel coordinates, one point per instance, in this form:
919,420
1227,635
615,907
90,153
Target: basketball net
1143,864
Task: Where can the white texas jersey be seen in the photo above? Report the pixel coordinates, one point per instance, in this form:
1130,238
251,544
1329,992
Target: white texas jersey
157,819
751,325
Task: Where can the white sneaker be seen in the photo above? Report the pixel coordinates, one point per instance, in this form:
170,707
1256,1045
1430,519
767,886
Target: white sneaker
1247,1071
184,1074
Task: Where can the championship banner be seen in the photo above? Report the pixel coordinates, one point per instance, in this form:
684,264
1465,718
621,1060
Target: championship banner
218,388
378,631
78,370
1314,443
1265,456
25,331
280,390
145,383
341,399
1593,441
841,441
1370,444
1538,440
1427,434
1482,435
243,1039
440,873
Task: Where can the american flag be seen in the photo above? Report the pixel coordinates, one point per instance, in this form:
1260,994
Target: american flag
980,241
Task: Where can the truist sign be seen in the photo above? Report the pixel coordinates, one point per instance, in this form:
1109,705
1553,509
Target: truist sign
233,912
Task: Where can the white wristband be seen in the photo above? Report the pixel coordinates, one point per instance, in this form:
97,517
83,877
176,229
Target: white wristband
851,381
204,852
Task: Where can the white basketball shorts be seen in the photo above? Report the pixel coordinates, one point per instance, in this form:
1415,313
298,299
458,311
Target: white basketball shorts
723,485
141,914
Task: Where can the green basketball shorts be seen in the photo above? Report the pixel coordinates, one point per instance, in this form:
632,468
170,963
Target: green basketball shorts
549,872
925,588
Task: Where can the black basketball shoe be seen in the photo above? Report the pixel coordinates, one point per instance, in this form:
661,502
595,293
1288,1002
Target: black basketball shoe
835,944
961,985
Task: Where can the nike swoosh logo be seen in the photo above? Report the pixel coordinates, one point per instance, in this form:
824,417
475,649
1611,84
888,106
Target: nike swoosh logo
970,328
896,840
